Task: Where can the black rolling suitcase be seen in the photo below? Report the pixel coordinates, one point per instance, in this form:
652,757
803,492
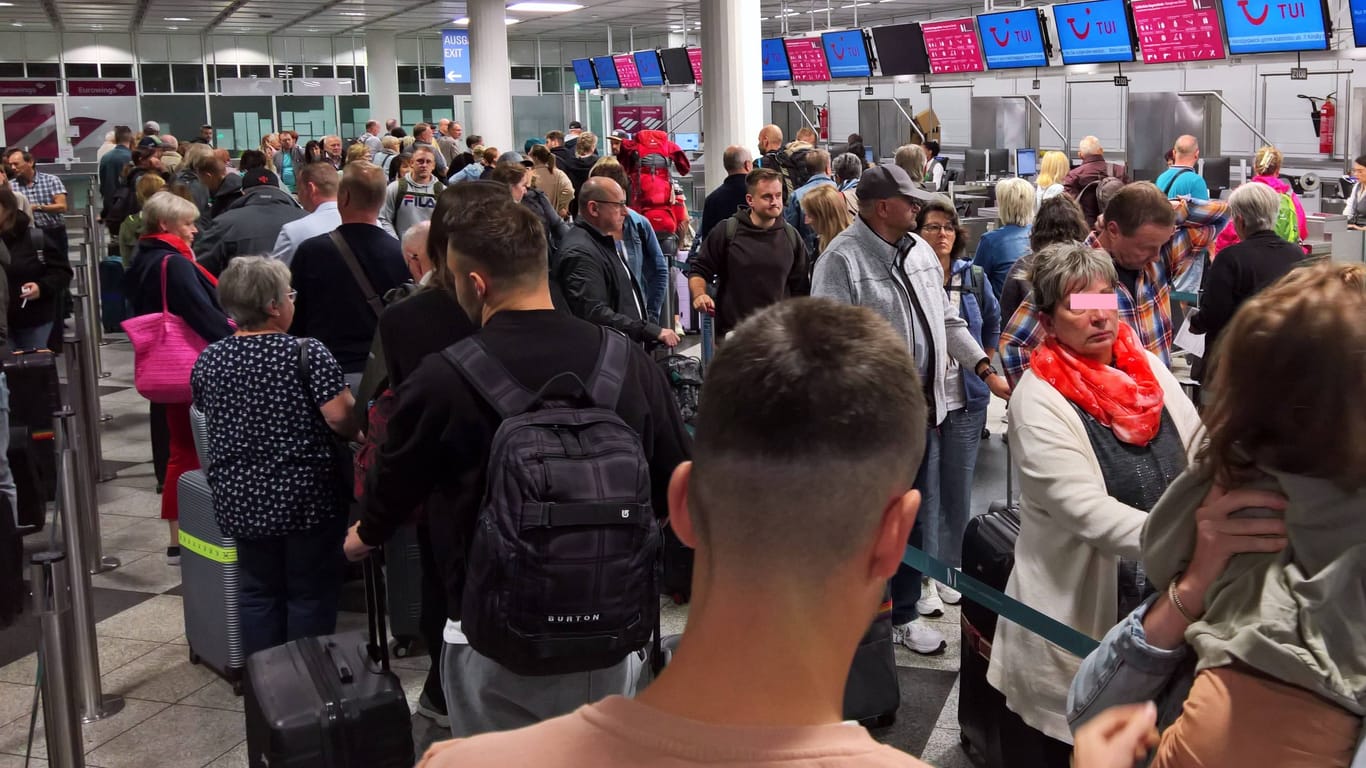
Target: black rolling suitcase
872,693
34,396
989,557
330,701
685,376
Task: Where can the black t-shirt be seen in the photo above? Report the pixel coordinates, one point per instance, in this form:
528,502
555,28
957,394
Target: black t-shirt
426,322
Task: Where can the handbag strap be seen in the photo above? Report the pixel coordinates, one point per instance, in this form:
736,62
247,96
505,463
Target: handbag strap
358,274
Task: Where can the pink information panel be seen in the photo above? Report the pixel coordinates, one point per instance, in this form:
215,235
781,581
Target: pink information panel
695,59
807,57
1177,30
626,71
952,46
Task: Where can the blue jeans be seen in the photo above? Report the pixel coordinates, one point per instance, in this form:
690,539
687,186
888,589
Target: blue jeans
6,474
30,338
905,585
960,435
290,586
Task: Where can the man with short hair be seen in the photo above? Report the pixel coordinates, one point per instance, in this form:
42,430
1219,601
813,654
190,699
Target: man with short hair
446,142
151,128
112,164
729,195
776,157
333,307
572,135
249,225
170,155
806,136
878,263
757,258
594,269
205,135
45,193
318,196
554,141
580,163
412,198
1182,179
1153,242
817,163
289,161
390,125
422,137
371,137
441,436
1082,183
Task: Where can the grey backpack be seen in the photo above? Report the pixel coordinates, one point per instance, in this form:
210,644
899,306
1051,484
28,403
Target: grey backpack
561,570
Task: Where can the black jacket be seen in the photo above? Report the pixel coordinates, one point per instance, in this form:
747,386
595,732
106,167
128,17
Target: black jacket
52,273
189,294
426,322
1240,272
555,228
229,192
757,268
249,227
722,203
597,285
198,192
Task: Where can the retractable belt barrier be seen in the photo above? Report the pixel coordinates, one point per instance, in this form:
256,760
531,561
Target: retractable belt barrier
1008,608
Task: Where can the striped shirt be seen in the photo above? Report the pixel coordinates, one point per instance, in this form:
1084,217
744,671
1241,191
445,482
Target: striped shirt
1148,308
43,191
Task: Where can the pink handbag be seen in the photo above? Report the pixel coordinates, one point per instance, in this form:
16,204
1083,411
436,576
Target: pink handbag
165,349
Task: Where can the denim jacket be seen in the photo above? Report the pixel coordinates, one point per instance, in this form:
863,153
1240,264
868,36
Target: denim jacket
648,264
1125,669
985,325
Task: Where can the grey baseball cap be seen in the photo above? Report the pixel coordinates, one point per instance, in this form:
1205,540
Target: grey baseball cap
885,181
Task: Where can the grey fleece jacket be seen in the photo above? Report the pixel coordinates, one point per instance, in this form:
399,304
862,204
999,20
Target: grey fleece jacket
858,268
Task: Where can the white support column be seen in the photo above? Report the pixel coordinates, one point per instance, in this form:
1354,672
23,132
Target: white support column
732,80
381,75
490,79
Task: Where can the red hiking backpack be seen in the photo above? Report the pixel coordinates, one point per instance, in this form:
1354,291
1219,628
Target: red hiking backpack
646,159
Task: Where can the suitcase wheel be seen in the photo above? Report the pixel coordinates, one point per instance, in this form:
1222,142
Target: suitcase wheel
881,721
402,648
237,688
194,658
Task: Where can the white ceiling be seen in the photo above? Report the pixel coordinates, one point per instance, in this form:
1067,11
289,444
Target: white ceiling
641,18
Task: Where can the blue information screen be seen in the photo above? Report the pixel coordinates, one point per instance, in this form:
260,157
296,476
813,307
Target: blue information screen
455,54
847,53
1359,21
1272,26
1096,32
775,60
647,64
1012,39
606,70
583,74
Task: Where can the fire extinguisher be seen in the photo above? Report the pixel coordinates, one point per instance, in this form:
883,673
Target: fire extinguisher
1327,125
823,119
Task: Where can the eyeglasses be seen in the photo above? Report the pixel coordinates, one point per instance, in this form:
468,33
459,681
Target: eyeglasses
292,295
934,229
621,203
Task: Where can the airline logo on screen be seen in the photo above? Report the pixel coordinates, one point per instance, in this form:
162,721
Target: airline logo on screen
1267,26
1094,32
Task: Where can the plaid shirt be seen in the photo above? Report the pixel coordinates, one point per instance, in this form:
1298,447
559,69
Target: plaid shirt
43,191
1148,309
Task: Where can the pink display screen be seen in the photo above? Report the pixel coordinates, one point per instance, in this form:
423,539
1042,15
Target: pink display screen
952,46
695,59
626,71
1177,30
806,55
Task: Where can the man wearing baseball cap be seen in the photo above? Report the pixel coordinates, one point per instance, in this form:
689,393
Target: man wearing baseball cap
250,224
879,263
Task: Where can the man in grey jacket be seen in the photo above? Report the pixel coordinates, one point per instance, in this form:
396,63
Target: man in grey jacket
879,264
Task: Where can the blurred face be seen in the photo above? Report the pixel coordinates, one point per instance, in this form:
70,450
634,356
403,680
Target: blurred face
939,232
405,166
18,166
333,146
184,229
1359,172
767,199
1140,249
423,165
898,213
1088,332
206,134
519,189
286,141
456,131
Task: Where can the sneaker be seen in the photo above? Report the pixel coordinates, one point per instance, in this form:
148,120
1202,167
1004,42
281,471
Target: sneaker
929,603
919,637
173,555
427,709
948,594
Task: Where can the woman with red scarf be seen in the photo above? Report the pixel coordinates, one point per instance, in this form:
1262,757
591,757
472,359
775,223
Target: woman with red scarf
168,230
1099,428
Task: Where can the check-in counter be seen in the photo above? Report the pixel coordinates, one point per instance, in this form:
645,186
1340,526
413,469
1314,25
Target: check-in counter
1329,237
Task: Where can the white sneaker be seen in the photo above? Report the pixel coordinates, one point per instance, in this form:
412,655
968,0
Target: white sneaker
948,594
919,637
929,603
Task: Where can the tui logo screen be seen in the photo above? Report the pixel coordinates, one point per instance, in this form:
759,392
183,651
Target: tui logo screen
583,75
1012,39
775,60
1096,32
647,65
606,70
1274,26
847,53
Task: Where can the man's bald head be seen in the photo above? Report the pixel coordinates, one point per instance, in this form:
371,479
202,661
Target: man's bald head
1187,148
415,253
737,159
602,203
770,138
1089,146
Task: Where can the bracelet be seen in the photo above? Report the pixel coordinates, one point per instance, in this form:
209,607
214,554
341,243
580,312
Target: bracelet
1176,600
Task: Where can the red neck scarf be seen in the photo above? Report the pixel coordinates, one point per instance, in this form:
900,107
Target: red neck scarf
1127,397
184,249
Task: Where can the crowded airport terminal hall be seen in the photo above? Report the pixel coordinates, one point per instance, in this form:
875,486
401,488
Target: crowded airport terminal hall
379,389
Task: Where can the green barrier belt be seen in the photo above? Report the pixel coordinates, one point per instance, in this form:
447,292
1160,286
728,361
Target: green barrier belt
1186,296
678,264
1047,627
224,555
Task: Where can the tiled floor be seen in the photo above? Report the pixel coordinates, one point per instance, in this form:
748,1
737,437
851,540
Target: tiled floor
180,715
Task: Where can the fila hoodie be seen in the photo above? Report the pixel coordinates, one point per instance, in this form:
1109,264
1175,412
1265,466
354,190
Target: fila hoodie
416,203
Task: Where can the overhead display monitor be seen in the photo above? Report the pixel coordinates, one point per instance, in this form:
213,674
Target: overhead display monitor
626,71
1275,26
952,46
1172,31
847,53
647,64
583,74
1012,39
775,60
1095,32
1358,8
677,67
606,70
690,142
806,59
695,61
901,50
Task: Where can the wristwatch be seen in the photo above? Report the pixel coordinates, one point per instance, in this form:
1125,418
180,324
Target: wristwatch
987,372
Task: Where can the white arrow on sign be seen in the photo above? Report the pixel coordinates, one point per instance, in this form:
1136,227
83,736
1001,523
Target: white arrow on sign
452,76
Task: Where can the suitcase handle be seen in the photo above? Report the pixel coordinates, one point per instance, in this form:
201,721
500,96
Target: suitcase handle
378,646
344,672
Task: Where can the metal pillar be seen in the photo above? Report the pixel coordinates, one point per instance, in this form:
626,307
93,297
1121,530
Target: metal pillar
84,442
83,366
50,593
94,704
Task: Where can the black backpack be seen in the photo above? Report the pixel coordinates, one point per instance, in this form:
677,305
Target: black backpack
561,574
123,203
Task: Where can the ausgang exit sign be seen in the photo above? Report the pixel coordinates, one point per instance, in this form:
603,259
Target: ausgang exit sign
455,51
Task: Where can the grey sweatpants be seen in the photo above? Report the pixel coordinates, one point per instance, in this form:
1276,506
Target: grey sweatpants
482,696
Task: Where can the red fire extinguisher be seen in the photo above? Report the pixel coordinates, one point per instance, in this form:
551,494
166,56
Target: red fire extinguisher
1327,125
823,118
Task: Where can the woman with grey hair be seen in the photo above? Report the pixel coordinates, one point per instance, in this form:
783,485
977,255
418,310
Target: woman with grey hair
1098,428
847,168
273,406
163,259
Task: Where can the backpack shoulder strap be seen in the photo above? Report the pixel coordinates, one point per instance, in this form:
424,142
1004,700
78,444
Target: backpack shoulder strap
609,375
366,287
794,238
1172,181
38,239
730,227
438,188
489,377
402,190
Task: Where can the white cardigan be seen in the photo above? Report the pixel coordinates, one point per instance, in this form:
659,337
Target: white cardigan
1072,535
